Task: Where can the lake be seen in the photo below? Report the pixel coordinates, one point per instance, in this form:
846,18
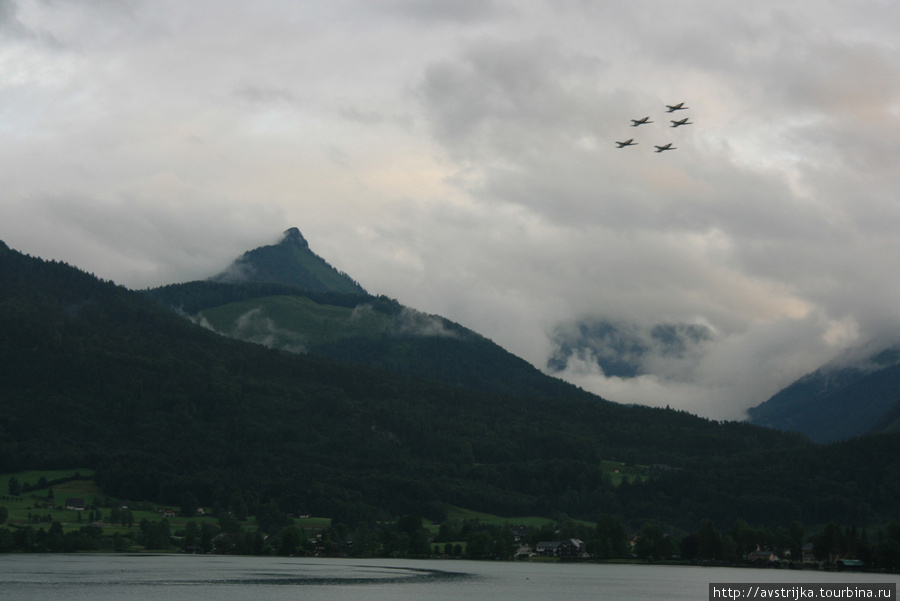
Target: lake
121,577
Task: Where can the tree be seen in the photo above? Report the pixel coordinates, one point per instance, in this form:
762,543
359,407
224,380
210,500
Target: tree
478,544
289,540
7,542
15,488
156,535
271,519
365,542
228,523
611,537
504,545
189,505
709,541
191,534
653,543
409,524
796,540
827,543
207,533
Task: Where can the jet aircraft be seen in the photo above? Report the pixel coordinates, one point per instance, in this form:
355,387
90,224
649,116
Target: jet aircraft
665,147
628,142
636,122
682,122
676,107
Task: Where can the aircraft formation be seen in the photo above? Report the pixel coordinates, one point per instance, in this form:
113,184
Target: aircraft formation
670,108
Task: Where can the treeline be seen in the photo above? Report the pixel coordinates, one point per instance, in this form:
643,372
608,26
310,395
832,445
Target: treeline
408,537
17,488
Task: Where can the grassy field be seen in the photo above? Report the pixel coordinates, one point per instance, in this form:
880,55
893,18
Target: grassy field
619,471
35,507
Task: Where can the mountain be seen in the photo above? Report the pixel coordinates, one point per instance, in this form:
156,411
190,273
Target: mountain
289,262
889,422
357,327
97,376
837,401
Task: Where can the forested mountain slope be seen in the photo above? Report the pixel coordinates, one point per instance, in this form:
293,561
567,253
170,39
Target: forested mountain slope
95,375
373,331
837,401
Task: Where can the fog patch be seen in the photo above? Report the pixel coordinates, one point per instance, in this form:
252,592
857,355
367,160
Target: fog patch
415,323
361,312
198,319
238,272
866,358
254,326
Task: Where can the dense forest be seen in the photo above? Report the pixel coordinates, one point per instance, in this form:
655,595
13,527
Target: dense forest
97,375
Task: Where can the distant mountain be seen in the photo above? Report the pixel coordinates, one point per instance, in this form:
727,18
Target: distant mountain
889,422
289,262
97,376
837,401
625,350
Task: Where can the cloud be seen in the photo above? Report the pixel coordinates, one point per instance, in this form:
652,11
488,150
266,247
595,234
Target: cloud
461,11
459,157
626,350
255,326
411,322
718,376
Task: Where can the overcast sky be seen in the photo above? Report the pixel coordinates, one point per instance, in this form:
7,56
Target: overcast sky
459,157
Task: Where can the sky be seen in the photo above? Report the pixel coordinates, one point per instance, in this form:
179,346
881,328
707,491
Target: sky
460,158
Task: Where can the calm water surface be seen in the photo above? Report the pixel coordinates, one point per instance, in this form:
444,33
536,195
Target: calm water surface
213,578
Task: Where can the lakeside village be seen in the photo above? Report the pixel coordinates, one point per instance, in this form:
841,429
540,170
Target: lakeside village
37,522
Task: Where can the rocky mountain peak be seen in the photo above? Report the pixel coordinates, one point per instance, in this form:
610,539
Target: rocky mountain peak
293,236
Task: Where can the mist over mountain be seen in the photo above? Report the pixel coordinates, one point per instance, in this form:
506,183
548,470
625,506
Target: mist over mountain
289,262
849,397
627,350
323,318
